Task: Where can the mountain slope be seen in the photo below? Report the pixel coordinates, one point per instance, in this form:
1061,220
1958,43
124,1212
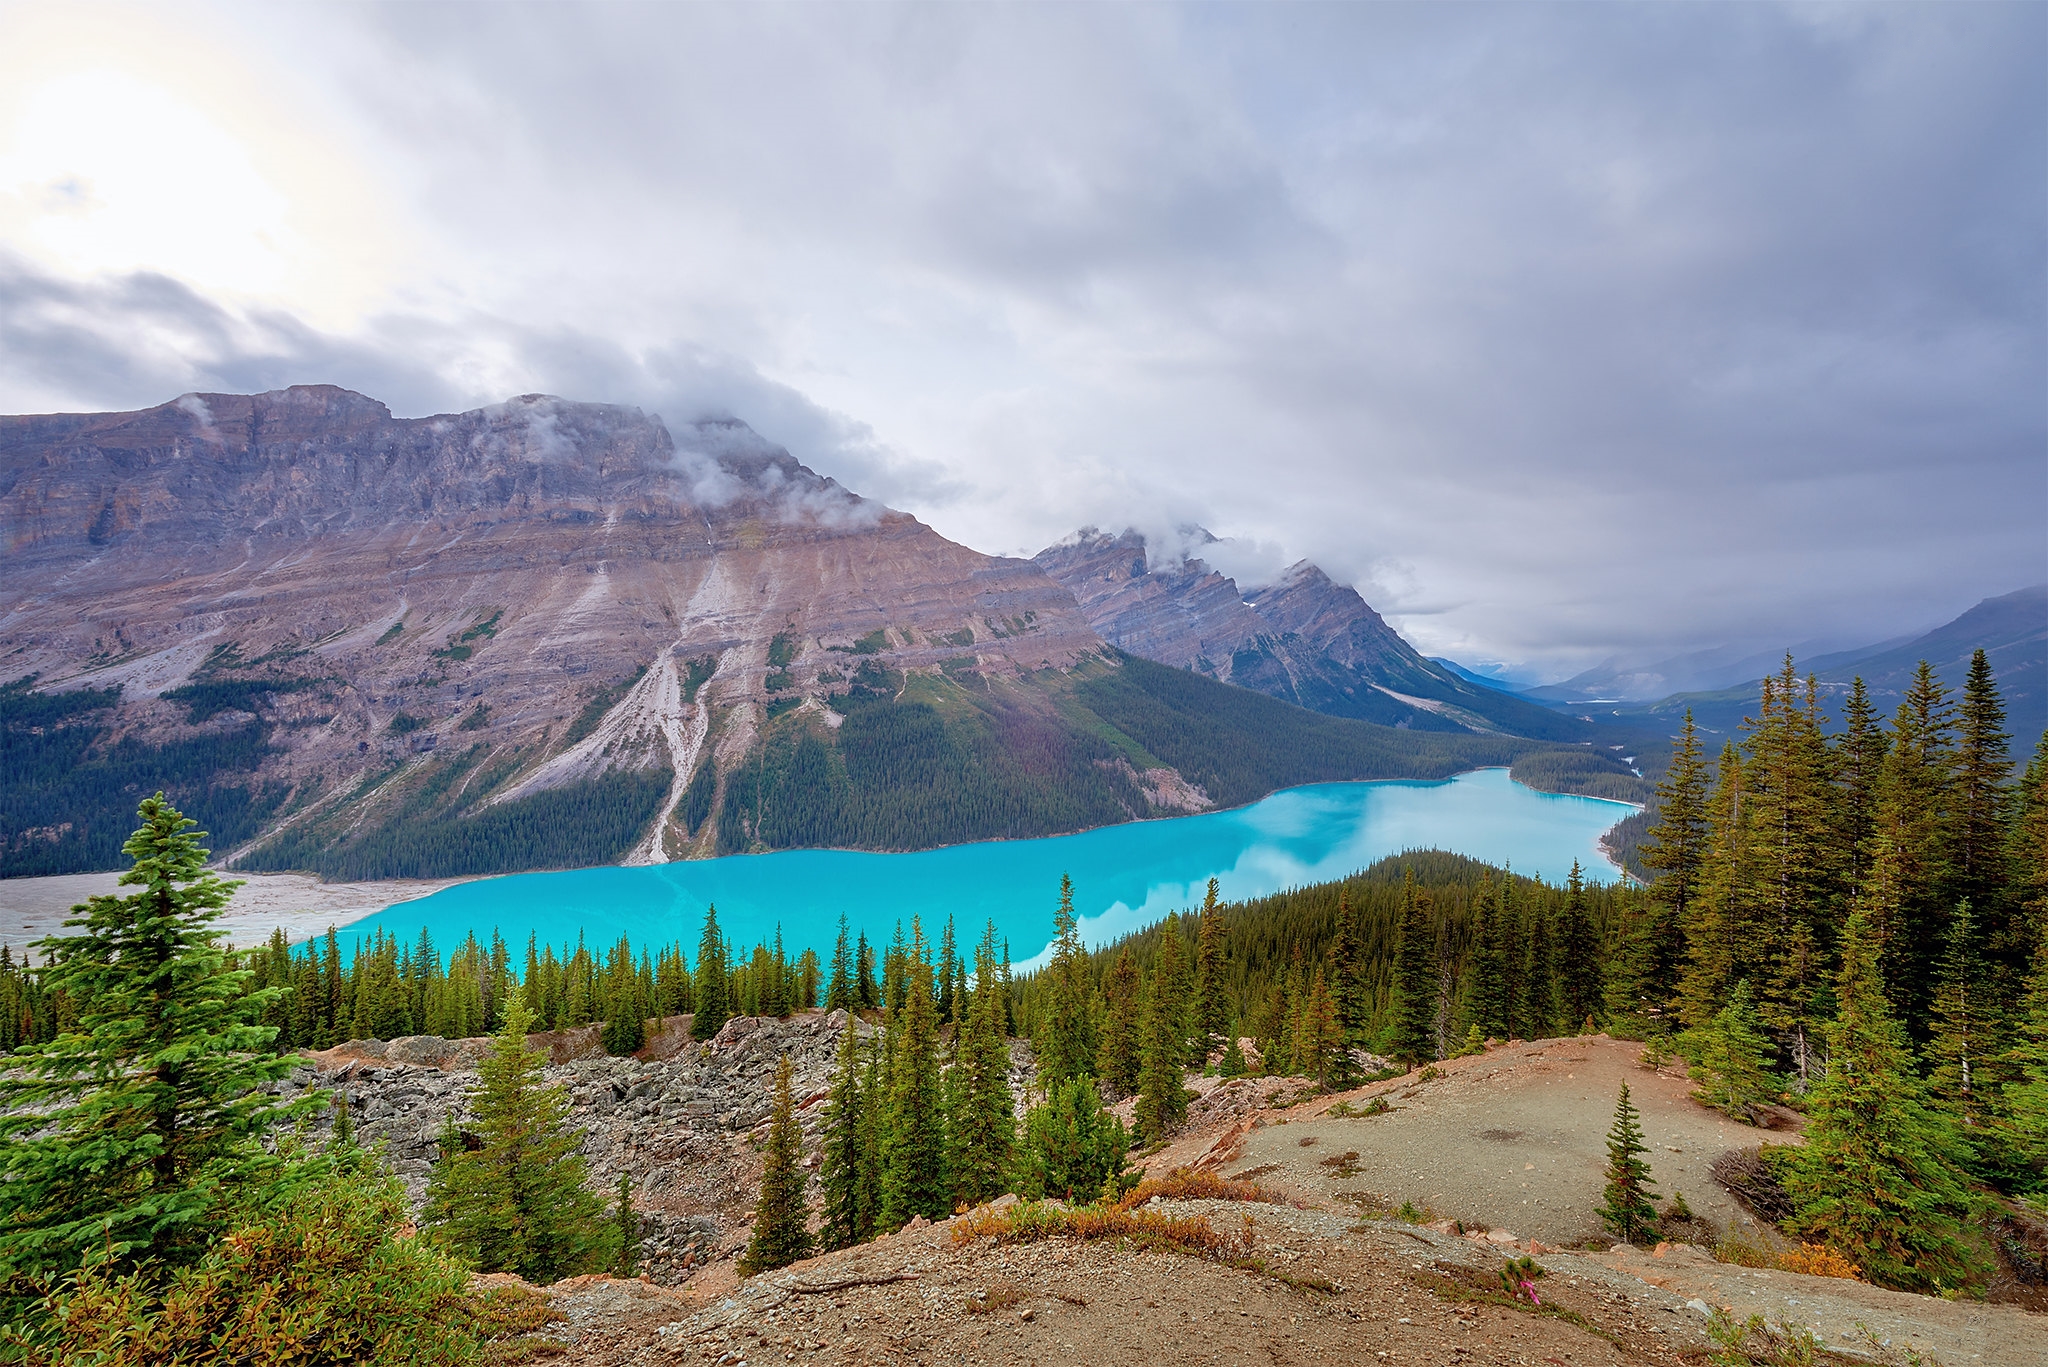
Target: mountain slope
547,633
1304,639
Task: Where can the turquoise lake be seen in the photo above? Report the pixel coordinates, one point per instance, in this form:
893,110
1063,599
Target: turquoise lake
1125,877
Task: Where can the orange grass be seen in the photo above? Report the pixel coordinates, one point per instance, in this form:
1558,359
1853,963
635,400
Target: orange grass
1032,1221
1186,1184
1817,1260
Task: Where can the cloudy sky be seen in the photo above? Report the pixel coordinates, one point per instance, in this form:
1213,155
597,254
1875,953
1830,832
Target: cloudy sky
1564,332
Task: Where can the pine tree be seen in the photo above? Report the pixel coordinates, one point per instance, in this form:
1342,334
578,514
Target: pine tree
1162,1096
949,1013
839,1167
1798,1002
1067,1043
136,1128
1980,818
917,1182
1876,1178
1350,974
2023,1127
866,990
1413,1032
1714,921
1791,874
626,1226
782,1216
983,1127
1858,766
712,992
1488,973
1072,1149
1579,976
1117,1058
1233,1064
1212,986
1962,1039
1329,1057
871,1174
1731,1050
516,1203
1676,847
1917,795
1539,978
1627,1212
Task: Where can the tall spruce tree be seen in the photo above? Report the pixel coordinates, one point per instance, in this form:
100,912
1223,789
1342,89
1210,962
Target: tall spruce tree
840,991
1876,1178
1858,767
839,1166
1916,797
712,990
1066,1036
1627,1211
1714,921
1117,1058
1731,1050
516,1202
1488,971
949,1010
136,1129
1327,1053
917,1181
782,1215
1350,973
983,1124
1676,848
1980,818
1539,975
1162,1094
1412,1034
866,990
1212,979
1580,972
1964,1034
2023,1124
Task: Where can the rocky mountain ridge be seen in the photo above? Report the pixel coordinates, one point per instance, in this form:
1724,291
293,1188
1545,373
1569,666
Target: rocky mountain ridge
1303,638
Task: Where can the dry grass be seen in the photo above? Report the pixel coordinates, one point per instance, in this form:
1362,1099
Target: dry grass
998,1297
1187,1184
1033,1221
1816,1260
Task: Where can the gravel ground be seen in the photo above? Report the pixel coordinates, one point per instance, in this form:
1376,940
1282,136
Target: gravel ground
1515,1138
31,908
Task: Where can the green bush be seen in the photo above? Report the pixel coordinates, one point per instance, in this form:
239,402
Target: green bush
320,1279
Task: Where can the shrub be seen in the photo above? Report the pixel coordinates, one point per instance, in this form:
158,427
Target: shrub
1818,1260
1033,1221
1186,1184
319,1279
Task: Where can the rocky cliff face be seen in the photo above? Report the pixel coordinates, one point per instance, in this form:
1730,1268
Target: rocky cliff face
559,591
1304,638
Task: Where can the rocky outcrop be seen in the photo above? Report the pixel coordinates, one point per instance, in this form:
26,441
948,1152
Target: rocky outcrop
681,1119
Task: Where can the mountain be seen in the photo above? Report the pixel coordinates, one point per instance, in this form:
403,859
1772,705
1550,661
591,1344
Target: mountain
547,633
1304,638
2011,629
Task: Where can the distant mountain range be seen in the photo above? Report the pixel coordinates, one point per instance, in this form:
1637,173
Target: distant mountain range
1304,639
546,633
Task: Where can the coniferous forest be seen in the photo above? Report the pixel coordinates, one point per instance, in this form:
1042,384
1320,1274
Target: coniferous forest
1848,923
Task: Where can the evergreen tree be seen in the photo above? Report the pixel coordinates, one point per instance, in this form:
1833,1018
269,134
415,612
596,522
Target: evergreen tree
2023,1128
1876,1179
1212,985
516,1202
712,991
1328,1055
1791,873
1676,848
1627,1212
1731,1049
948,1013
839,1167
1797,1002
1488,970
983,1125
1714,921
871,1173
917,1182
1858,767
135,1129
1539,978
1412,1037
1981,816
1067,1043
782,1216
1350,974
1162,1096
1072,1148
1117,1060
1233,1064
1962,1039
865,988
1579,976
1916,798
626,1226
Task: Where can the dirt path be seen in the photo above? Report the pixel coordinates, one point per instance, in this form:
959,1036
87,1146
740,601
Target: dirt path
31,908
